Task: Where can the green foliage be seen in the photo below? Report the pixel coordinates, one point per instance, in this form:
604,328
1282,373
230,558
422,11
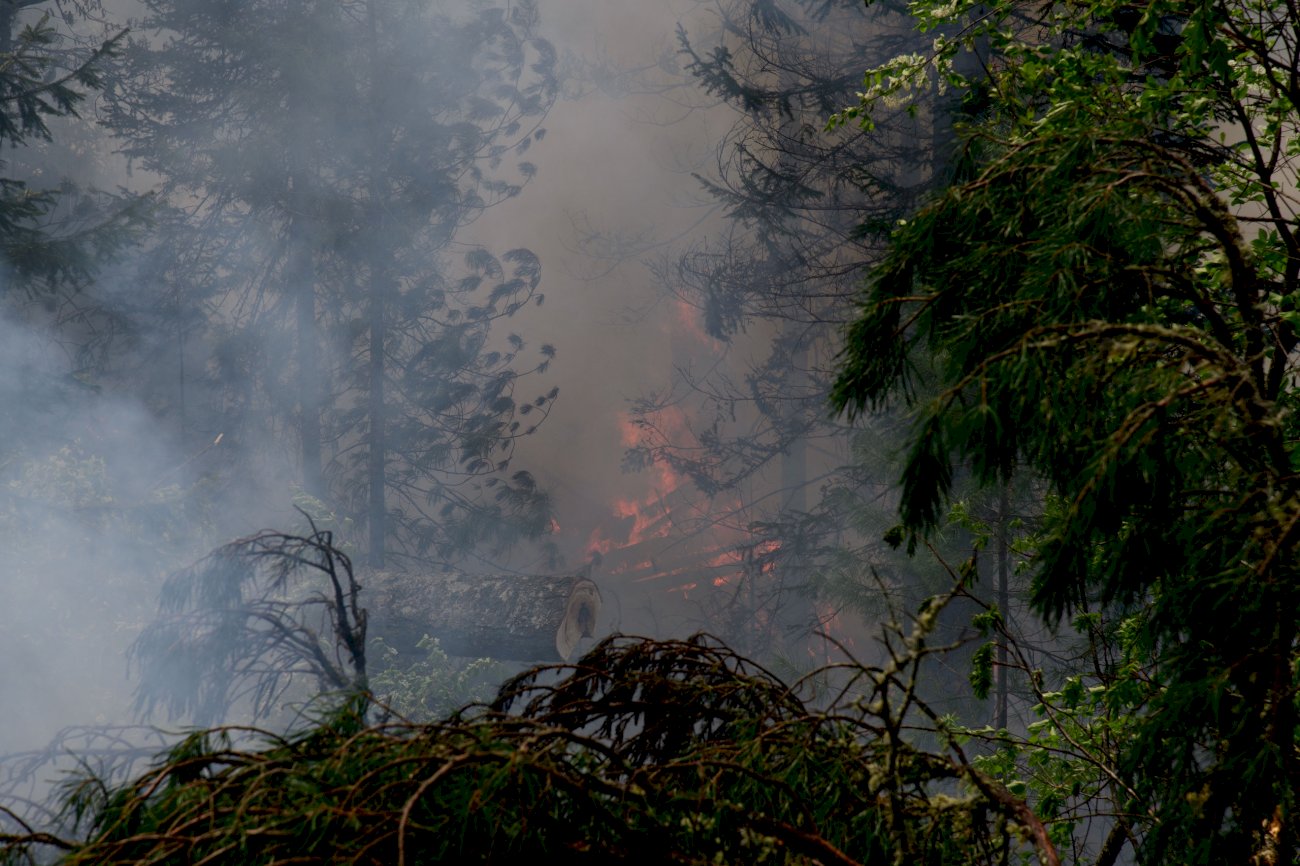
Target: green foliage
1106,290
51,238
1068,761
642,752
433,685
981,671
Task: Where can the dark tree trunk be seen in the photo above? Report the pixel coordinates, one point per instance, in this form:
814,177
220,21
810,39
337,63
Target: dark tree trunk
302,278
534,618
380,280
377,462
1004,600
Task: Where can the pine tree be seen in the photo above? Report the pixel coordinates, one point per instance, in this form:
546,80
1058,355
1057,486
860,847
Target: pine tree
52,239
320,159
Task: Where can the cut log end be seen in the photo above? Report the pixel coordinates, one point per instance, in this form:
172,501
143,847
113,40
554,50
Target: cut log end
579,617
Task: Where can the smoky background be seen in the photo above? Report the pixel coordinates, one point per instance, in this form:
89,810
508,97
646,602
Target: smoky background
668,241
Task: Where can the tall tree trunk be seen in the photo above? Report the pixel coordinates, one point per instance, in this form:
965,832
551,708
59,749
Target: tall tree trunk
1004,599
380,284
8,10
378,445
794,462
799,615
302,277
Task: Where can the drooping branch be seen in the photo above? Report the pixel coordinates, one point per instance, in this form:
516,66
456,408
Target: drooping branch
248,621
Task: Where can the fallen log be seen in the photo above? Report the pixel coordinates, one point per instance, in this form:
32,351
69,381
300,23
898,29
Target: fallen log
532,618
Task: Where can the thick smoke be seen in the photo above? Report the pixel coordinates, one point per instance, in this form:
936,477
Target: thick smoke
114,479
96,503
120,463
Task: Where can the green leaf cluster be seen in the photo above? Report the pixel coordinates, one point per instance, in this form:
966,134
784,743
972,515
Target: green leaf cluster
1106,292
433,685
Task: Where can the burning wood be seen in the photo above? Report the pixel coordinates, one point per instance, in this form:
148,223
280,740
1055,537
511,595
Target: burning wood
531,618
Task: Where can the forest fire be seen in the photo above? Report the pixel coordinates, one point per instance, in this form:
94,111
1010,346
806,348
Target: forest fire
1024,305
670,536
640,519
